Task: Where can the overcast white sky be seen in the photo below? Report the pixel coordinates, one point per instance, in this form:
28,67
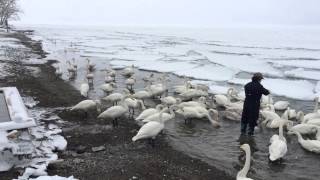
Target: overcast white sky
171,12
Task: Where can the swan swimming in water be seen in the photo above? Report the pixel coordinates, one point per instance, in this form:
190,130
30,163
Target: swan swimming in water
309,145
242,174
278,147
199,112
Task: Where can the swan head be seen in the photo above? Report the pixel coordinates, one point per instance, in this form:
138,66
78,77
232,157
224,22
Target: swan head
245,147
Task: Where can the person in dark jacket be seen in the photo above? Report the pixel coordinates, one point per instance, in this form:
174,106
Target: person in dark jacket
251,106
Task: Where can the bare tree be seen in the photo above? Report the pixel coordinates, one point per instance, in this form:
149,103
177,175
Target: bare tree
8,10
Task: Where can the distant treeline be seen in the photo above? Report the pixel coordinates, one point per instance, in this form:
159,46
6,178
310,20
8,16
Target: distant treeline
8,10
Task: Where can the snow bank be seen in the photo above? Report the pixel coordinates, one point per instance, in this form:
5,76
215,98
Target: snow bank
17,111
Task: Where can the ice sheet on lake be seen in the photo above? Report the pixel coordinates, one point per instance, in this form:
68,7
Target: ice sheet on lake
296,89
304,74
299,63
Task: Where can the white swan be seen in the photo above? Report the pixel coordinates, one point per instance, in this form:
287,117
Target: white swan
179,89
90,77
87,106
265,100
148,112
303,129
309,145
278,147
305,118
157,89
114,113
144,94
165,116
281,105
90,65
169,100
199,112
84,89
128,71
290,113
201,102
108,79
193,93
150,129
242,174
116,97
108,88
221,100
71,70
133,103
130,82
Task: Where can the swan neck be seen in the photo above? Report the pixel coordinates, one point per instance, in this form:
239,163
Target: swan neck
281,130
244,171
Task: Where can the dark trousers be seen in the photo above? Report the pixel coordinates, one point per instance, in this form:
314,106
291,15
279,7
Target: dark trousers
244,125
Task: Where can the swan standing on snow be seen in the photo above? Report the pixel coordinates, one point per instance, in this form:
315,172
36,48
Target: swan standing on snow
278,147
114,113
148,112
87,106
242,174
309,145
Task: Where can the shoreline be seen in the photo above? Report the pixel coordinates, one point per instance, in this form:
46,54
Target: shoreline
122,159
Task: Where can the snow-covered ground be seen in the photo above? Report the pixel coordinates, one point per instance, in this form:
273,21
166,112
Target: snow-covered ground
218,55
